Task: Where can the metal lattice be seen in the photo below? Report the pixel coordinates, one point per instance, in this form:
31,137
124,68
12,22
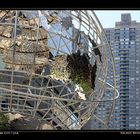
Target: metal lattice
34,81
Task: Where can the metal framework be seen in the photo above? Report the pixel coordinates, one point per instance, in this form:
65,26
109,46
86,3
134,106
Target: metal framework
27,83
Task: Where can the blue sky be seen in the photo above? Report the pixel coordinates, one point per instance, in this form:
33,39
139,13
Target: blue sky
109,17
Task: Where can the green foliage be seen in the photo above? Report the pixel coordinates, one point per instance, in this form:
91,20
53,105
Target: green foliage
4,125
77,68
86,86
80,71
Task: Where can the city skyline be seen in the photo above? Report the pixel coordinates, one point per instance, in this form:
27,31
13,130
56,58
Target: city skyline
109,17
124,40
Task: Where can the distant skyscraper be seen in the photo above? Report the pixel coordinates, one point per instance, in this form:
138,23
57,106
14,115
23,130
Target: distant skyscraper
125,42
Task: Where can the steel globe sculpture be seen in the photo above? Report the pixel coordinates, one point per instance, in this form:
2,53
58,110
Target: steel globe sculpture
54,66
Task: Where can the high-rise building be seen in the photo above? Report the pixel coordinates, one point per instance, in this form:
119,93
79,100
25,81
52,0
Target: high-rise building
124,39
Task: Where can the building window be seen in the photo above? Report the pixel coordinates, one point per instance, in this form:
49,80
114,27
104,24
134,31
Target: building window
132,29
137,71
137,107
126,42
132,42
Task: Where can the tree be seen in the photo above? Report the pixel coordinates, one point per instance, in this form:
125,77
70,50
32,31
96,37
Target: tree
81,71
4,125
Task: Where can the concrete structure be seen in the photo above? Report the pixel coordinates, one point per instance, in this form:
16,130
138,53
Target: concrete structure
125,42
